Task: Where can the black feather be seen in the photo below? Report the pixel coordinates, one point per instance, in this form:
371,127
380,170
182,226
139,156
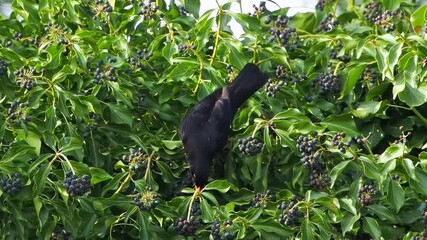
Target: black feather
204,132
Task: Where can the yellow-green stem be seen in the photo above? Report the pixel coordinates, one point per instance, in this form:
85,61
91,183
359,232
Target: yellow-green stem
218,31
148,166
129,176
195,195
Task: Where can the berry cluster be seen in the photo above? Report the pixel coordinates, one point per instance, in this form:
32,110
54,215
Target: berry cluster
312,159
320,5
374,14
230,73
147,200
396,178
273,86
366,194
185,180
92,125
327,24
105,72
101,7
141,97
183,11
319,179
24,40
148,10
359,141
17,36
425,217
384,20
222,231
3,66
287,36
12,184
186,48
195,209
18,112
59,235
305,146
76,186
372,11
290,212
286,75
369,76
136,160
8,43
66,43
55,33
250,146
337,142
403,135
420,236
290,39
144,54
261,199
329,84
259,10
25,77
186,227
134,65
334,53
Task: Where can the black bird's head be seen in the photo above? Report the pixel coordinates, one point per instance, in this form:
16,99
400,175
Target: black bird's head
200,167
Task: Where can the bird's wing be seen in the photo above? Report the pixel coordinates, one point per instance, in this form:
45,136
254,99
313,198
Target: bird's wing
199,115
220,120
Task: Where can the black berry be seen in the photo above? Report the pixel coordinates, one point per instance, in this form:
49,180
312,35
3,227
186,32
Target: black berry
11,184
76,186
250,146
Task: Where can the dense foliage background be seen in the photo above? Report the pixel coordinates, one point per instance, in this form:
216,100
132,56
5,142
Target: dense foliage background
92,94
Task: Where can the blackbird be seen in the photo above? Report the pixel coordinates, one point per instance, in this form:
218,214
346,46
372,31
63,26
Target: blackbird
204,132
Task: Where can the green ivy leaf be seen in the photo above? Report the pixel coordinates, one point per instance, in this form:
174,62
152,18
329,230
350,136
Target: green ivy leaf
207,211
222,186
337,170
395,195
98,175
367,108
352,78
370,225
192,6
307,230
120,114
392,152
348,222
383,213
271,226
418,18
341,123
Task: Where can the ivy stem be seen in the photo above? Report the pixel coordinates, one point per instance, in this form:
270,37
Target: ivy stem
337,67
413,109
419,115
196,194
218,31
119,219
122,185
199,78
62,156
148,166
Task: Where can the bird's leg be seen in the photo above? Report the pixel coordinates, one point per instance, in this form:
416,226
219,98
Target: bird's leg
196,194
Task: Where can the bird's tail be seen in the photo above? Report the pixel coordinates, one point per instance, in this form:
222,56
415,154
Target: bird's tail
247,82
